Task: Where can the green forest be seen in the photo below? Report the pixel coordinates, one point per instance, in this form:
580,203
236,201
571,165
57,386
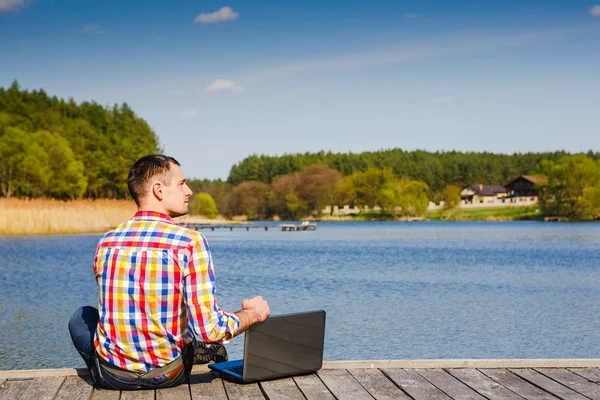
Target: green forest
437,169
56,148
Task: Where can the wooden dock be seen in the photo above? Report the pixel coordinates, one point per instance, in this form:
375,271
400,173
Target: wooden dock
299,227
577,379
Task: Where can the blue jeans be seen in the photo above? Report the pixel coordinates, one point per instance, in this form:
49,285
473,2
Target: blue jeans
82,328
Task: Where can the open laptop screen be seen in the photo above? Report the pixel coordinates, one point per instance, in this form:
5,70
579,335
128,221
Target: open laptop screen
284,345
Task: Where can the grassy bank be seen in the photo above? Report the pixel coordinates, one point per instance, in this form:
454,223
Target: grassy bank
478,214
54,217
46,216
488,214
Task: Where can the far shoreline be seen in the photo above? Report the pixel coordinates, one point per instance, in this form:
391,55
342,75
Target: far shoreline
47,217
399,221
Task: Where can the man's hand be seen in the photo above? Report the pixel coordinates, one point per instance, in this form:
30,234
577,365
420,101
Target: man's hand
258,306
253,311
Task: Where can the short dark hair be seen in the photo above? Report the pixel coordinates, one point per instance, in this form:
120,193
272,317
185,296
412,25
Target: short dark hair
146,169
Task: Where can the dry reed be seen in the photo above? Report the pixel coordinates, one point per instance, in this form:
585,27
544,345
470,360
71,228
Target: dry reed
47,217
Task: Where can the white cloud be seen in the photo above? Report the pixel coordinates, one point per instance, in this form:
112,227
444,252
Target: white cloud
224,14
224,85
11,5
189,113
91,29
442,99
411,15
595,11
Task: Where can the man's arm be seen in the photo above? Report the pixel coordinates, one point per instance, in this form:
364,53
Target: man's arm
209,322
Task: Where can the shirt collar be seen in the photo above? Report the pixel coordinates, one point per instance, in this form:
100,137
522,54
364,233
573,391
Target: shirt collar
153,216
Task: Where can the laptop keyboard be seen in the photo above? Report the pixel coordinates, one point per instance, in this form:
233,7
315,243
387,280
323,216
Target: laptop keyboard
237,370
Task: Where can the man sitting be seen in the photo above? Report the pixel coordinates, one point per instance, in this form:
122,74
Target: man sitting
156,285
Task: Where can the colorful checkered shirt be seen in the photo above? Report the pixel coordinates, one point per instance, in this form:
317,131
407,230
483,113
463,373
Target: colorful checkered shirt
156,284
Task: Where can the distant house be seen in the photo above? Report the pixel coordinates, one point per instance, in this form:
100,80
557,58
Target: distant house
483,193
524,186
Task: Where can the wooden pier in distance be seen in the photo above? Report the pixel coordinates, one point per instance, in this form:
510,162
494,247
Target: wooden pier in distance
577,379
304,226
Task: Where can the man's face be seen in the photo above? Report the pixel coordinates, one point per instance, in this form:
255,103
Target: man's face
176,195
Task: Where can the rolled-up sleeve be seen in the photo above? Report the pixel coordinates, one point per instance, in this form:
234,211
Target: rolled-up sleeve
207,320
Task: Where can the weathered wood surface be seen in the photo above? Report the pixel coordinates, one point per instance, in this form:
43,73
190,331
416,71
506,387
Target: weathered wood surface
101,394
449,385
483,384
250,391
377,384
282,389
137,395
572,380
42,389
313,388
207,386
548,384
343,385
75,387
13,389
350,383
516,384
181,392
415,385
590,364
588,373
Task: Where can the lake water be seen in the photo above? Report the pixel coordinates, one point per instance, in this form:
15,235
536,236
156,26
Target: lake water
392,290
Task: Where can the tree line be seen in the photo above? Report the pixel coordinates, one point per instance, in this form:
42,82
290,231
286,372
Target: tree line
570,190
436,169
56,148
59,149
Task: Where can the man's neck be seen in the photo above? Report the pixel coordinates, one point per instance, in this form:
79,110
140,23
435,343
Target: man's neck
153,208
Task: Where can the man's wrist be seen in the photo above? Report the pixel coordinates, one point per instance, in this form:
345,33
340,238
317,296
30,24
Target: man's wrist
253,316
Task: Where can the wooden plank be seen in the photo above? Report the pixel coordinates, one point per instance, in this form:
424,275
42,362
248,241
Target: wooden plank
39,373
517,384
377,384
105,394
415,385
449,385
42,389
364,364
13,389
282,389
547,384
483,384
313,388
574,381
343,385
3,382
591,374
207,386
74,387
180,392
465,363
249,391
138,395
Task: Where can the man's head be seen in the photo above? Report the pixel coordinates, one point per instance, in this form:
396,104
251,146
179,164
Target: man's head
157,183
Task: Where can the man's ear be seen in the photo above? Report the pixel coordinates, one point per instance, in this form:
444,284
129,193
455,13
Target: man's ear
157,190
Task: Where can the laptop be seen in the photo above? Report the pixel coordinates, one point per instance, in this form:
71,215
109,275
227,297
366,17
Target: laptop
283,345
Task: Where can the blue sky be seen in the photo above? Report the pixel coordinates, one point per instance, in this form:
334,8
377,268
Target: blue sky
219,81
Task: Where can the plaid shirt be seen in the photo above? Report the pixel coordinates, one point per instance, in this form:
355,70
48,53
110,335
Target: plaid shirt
156,282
